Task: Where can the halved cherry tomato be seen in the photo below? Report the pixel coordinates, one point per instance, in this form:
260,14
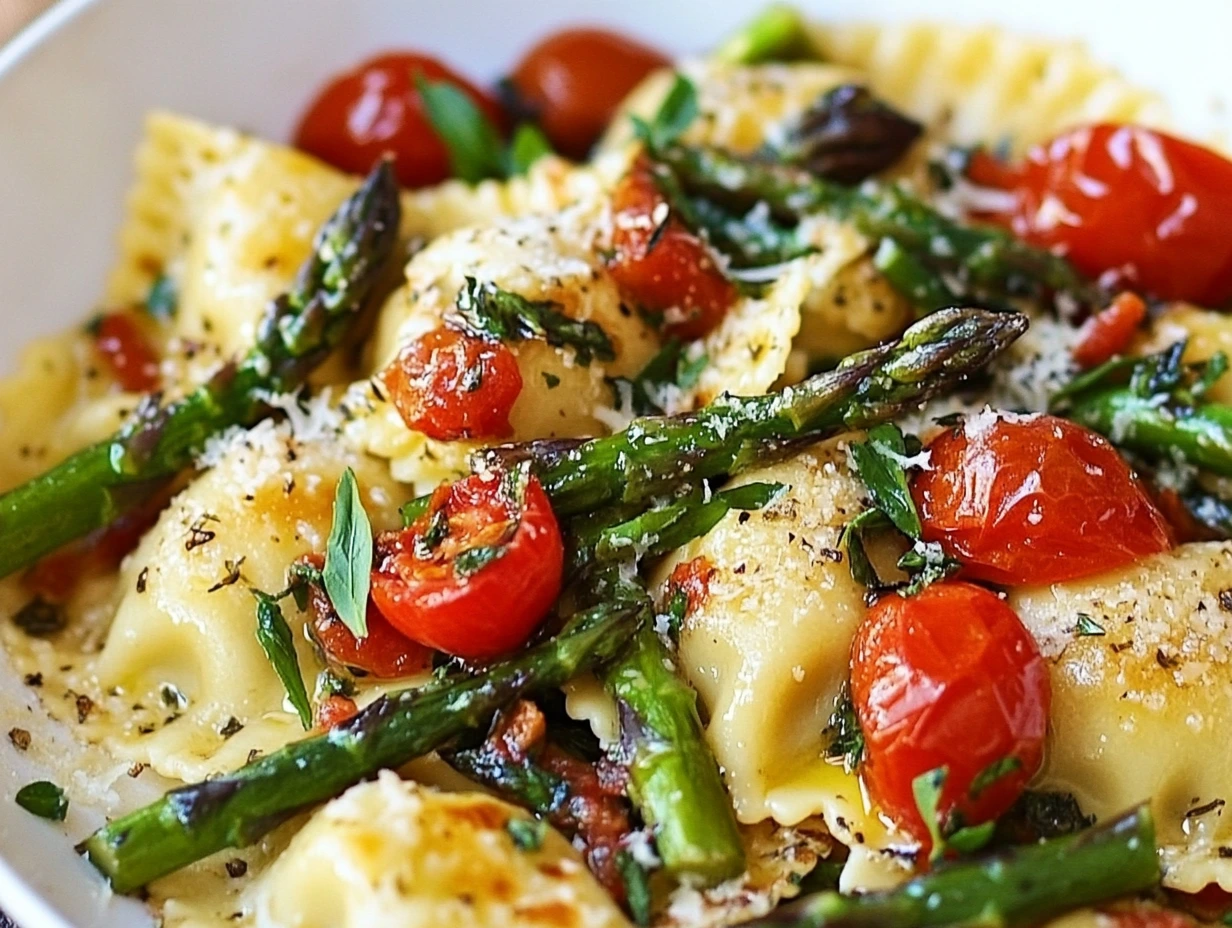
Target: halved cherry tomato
122,345
476,573
450,385
948,678
1034,499
1110,331
384,652
375,109
574,80
658,262
1148,207
693,579
1145,915
333,710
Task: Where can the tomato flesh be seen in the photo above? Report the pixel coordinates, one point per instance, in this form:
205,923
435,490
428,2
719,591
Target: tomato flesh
128,355
948,678
450,385
660,264
1110,331
476,574
1143,206
375,110
574,80
1034,499
335,710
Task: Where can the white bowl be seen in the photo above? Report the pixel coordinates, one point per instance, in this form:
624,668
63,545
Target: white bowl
75,85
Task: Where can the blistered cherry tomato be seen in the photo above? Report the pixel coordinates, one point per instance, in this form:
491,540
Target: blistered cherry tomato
1145,915
1146,206
692,578
334,710
1110,331
123,346
375,109
659,263
574,80
449,385
475,574
1034,499
948,678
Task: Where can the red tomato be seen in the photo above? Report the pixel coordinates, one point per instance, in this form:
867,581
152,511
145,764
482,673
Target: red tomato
574,80
1034,499
375,109
332,711
123,346
384,652
693,579
948,678
1110,331
450,385
1146,206
1144,915
476,574
658,262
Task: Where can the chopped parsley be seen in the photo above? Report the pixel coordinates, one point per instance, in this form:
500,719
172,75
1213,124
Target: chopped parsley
527,833
44,799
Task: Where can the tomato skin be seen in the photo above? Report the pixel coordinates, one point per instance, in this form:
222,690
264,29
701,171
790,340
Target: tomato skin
1146,206
450,385
1110,331
574,80
123,346
947,678
1034,499
374,109
496,608
693,579
334,710
667,270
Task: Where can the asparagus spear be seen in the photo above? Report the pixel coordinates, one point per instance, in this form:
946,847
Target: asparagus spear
237,809
1022,885
778,33
298,331
655,454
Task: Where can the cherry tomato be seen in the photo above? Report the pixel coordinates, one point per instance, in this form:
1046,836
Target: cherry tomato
122,345
476,574
1034,499
1145,915
383,653
574,80
333,710
659,263
948,678
449,385
375,109
1109,332
693,579
1146,206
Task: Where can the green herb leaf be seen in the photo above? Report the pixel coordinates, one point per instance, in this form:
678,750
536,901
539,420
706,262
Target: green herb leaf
879,463
972,838
44,799
637,887
412,510
528,146
927,563
846,736
40,619
670,368
274,635
476,150
469,562
527,833
676,113
163,301
993,773
332,683
489,312
1087,626
436,532
348,557
854,538
926,788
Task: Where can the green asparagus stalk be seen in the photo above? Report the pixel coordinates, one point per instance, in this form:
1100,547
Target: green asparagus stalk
656,454
237,809
988,257
1020,886
673,777
298,331
779,33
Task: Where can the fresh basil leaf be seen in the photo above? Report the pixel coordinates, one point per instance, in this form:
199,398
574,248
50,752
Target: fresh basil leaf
529,144
854,538
469,562
676,113
527,833
993,773
926,789
670,368
486,311
972,838
637,887
476,150
879,463
44,799
162,302
1088,627
927,563
274,636
412,510
348,557
846,738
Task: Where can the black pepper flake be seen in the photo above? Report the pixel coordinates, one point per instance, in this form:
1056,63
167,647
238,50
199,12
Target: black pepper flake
1165,661
137,770
1202,810
236,868
34,679
233,575
40,619
85,705
254,754
142,579
233,726
743,517
1225,852
20,738
198,534
1225,603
